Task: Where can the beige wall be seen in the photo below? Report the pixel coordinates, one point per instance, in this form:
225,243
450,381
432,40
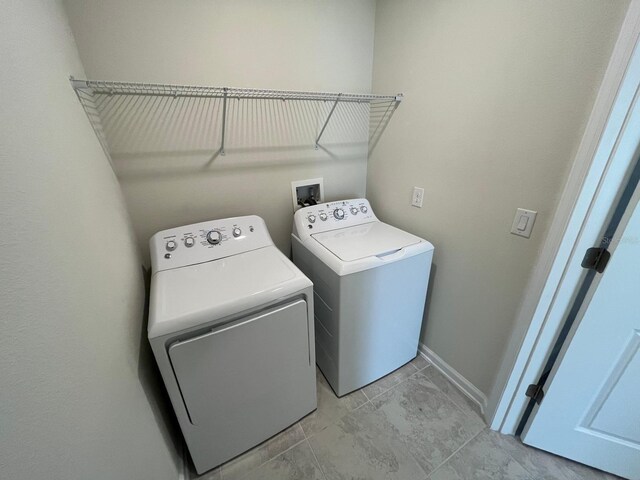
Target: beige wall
78,397
498,93
285,44
497,96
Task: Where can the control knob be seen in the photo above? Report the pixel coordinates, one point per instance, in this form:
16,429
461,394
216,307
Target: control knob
189,242
364,209
338,214
171,245
214,237
323,217
237,232
311,218
354,211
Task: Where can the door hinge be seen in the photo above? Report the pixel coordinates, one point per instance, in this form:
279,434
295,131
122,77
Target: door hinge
535,392
596,258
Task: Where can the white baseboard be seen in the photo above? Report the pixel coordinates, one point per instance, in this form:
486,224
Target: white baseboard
464,385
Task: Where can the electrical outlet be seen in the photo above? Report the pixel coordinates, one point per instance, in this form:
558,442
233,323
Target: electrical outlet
417,197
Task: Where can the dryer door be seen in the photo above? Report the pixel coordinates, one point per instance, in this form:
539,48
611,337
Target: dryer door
246,381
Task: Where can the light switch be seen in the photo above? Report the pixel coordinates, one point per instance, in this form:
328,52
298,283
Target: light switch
523,222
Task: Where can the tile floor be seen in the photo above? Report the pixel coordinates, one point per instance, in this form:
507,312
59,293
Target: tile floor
412,424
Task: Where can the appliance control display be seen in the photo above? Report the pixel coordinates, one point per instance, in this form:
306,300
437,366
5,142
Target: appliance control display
207,241
214,237
329,216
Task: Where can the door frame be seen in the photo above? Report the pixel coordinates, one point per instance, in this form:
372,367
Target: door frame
597,174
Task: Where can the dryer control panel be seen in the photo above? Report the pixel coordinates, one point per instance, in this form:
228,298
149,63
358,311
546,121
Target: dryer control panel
207,241
332,215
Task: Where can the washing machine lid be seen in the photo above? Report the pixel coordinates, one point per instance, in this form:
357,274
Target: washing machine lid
211,292
372,239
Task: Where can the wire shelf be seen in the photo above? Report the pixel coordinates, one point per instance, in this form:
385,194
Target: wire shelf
163,89
92,95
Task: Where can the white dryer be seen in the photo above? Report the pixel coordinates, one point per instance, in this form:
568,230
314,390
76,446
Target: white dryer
370,285
231,328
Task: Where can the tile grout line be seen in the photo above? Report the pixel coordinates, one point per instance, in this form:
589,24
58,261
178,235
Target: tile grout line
357,408
314,453
454,453
333,422
460,407
268,460
530,474
365,396
399,383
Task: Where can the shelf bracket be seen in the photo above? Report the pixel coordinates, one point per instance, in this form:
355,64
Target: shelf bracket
224,119
335,104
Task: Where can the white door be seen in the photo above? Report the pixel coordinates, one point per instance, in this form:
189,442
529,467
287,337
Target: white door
591,409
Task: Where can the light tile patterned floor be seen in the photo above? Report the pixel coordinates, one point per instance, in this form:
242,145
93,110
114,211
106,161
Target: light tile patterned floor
412,424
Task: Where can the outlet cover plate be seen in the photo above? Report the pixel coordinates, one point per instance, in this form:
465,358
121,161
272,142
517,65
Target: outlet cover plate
417,197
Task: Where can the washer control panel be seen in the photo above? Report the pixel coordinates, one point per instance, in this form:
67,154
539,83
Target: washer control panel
206,241
332,215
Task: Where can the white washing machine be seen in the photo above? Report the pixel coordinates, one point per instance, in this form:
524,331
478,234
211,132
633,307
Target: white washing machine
231,328
370,286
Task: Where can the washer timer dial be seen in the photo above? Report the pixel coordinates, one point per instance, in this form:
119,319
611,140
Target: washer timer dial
214,237
338,214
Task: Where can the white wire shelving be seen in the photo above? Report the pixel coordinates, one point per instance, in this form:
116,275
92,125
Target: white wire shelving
382,106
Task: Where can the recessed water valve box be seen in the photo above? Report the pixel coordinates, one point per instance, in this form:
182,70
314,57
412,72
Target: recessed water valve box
307,192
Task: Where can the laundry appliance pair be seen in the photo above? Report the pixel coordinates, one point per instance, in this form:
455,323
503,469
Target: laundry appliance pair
231,319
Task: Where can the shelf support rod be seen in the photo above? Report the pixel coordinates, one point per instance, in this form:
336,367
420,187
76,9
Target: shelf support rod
224,119
326,122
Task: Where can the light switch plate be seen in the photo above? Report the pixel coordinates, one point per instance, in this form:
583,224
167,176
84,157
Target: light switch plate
417,197
523,222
